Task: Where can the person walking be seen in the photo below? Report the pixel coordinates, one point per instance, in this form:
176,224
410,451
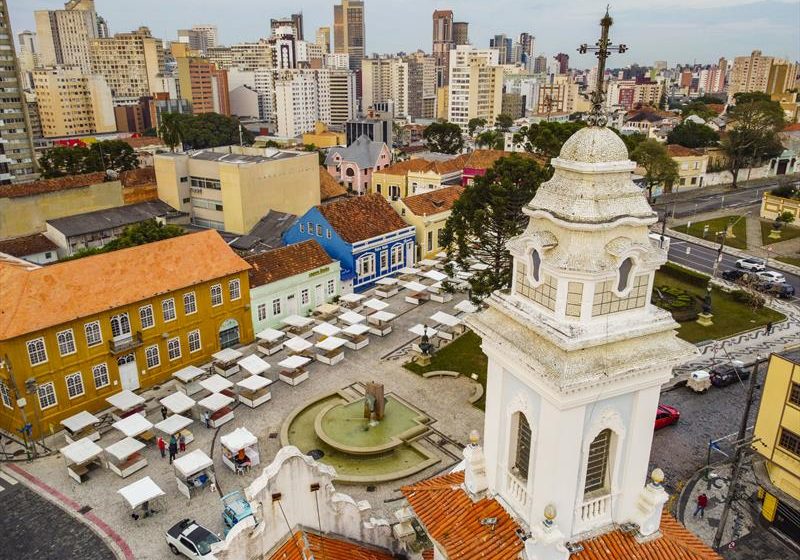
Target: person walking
702,502
162,446
207,419
173,448
769,328
182,442
163,412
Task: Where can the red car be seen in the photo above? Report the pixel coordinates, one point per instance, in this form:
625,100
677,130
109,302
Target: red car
666,416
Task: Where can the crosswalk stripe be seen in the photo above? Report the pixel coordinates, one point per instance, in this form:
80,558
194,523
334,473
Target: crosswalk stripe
7,478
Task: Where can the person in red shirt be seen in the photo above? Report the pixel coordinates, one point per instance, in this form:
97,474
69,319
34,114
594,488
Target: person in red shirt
702,502
162,446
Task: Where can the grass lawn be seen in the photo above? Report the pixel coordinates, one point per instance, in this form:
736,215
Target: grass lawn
789,260
787,232
730,316
463,355
719,224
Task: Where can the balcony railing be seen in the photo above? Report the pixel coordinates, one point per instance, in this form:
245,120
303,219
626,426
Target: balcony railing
120,345
517,490
594,512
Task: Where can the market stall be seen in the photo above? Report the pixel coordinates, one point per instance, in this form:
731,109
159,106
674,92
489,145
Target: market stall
193,472
254,365
352,318
186,379
449,326
254,390
331,350
435,275
296,346
439,293
380,323
373,305
270,341
298,326
178,403
225,361
324,330
386,287
217,407
408,273
427,264
218,384
417,293
140,496
356,336
352,301
124,457
326,311
294,371
465,306
240,450
125,403
135,426
81,425
176,425
81,457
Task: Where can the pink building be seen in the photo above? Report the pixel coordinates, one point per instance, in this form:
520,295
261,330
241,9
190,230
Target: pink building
353,166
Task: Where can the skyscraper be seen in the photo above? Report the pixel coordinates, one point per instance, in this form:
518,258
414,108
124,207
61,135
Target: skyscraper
563,62
348,31
461,33
17,162
131,63
526,41
64,35
442,43
324,39
476,85
209,34
295,21
540,64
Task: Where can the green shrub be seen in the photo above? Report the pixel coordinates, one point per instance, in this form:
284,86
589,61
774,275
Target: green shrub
752,299
684,274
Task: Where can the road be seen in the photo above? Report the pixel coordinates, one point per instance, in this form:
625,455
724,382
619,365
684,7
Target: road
702,258
708,203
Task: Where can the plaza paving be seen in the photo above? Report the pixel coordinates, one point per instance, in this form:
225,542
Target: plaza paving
444,399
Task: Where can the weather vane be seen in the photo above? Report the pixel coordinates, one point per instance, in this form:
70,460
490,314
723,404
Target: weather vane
603,49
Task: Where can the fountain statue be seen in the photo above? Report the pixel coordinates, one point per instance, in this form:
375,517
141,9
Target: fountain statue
374,402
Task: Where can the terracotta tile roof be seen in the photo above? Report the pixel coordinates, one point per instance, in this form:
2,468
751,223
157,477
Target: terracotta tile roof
676,543
676,150
434,202
362,217
794,127
484,159
284,262
427,554
403,167
139,177
52,185
328,186
718,108
453,520
36,299
305,544
28,245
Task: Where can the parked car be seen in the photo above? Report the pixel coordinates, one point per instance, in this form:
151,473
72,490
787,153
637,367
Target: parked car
666,416
734,275
779,290
771,276
191,539
726,374
751,264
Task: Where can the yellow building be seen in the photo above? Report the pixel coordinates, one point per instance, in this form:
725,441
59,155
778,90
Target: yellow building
231,188
324,138
72,102
74,333
692,166
777,441
413,176
428,213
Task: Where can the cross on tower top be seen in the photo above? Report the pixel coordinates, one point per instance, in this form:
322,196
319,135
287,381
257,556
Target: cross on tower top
602,49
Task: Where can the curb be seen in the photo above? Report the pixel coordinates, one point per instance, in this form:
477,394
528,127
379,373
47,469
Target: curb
115,542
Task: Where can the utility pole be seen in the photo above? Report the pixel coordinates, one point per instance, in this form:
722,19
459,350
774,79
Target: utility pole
30,446
739,457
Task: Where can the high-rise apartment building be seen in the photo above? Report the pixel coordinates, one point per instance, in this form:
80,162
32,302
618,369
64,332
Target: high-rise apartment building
761,73
421,85
476,85
540,64
505,48
27,57
324,39
344,103
64,35
302,98
244,56
442,44
782,77
72,102
349,35
460,33
130,63
384,79
208,34
295,21
17,160
563,62
194,39
559,96
526,43
203,85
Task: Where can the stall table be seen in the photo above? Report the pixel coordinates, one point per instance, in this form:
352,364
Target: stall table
449,326
326,311
332,350
386,287
352,301
135,426
465,306
81,425
438,293
352,318
81,457
124,457
298,326
240,450
218,407
270,341
294,371
141,493
225,361
379,323
178,402
218,384
176,425
125,403
296,346
324,330
187,379
193,472
356,336
418,293
254,365
254,390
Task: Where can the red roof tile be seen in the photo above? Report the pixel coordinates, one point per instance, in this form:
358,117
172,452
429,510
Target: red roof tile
328,186
434,202
52,185
453,520
362,217
794,127
303,545
284,262
28,245
676,150
139,177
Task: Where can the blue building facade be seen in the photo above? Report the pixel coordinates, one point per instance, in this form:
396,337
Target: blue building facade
363,260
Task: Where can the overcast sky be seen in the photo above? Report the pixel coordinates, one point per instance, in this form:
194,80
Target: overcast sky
672,30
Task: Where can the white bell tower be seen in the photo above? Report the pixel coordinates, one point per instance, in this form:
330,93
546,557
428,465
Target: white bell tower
577,353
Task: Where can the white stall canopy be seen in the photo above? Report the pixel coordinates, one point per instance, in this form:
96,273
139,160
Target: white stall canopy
192,463
177,402
79,421
81,451
415,286
383,316
435,275
331,343
466,306
352,318
188,374
140,492
216,383
420,329
253,364
356,330
124,448
125,400
173,424
326,329
443,318
270,335
215,402
133,425
240,438
297,321
376,304
352,297
297,344
254,383
227,355
294,362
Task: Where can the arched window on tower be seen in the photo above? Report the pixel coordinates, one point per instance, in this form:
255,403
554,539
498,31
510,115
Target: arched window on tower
625,269
536,262
520,445
597,467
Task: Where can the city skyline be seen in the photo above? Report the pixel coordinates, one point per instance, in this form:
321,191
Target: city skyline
683,32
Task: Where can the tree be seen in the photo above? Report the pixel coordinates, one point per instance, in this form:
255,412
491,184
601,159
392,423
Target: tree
63,160
546,138
487,215
700,109
443,137
474,124
114,155
753,126
170,130
492,139
693,135
137,234
110,155
208,130
503,122
660,168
